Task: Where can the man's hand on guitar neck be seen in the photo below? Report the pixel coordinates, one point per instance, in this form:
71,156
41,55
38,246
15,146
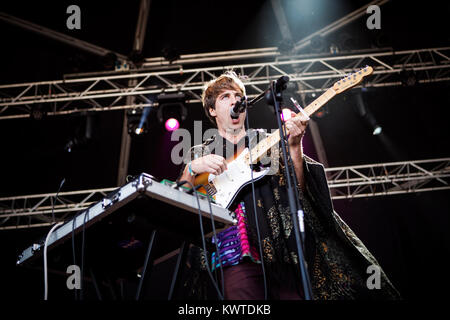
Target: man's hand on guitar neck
296,127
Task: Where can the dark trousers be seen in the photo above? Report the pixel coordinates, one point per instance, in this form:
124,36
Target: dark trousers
244,281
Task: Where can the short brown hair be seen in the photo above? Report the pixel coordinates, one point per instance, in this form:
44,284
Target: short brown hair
227,81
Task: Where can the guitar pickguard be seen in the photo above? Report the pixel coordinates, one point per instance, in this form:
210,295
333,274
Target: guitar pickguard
231,181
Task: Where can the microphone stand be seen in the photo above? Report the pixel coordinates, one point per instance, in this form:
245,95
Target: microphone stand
273,97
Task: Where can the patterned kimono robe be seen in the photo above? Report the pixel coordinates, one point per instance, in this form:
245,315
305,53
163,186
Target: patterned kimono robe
336,259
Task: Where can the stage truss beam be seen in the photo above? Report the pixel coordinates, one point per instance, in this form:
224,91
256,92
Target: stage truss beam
316,74
351,182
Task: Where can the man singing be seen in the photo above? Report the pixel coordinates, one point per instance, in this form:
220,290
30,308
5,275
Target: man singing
336,259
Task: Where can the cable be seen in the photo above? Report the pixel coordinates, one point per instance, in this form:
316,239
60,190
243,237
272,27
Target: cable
203,241
46,240
256,216
73,250
45,259
214,232
56,197
82,253
73,244
217,248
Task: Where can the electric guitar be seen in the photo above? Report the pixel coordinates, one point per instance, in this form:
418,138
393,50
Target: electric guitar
225,187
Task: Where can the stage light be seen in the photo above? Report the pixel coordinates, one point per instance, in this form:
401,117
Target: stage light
38,112
83,135
69,145
334,49
170,53
172,124
367,115
377,130
139,118
138,121
139,131
171,110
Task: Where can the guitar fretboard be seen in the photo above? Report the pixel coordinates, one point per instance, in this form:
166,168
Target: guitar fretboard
262,147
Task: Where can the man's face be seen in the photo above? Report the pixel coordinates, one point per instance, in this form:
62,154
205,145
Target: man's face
225,101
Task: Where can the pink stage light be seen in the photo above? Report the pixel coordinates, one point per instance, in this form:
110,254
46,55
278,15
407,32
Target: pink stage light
172,124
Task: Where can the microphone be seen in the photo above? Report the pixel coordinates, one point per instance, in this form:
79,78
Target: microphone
281,83
238,108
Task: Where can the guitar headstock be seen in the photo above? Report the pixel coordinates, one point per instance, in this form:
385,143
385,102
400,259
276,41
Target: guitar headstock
352,80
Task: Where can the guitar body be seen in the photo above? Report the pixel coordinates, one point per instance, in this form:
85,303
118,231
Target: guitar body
225,187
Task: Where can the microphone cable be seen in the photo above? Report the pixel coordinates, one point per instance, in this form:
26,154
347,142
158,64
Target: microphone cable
47,238
215,241
45,259
86,214
56,198
256,215
73,249
203,237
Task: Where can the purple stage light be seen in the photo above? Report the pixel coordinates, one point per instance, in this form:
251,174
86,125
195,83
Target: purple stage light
172,124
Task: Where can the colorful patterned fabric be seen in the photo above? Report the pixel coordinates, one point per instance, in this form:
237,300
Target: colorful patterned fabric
233,244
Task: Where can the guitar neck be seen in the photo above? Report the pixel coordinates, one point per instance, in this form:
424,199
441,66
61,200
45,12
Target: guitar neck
319,102
262,147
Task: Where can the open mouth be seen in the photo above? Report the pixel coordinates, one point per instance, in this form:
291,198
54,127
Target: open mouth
235,121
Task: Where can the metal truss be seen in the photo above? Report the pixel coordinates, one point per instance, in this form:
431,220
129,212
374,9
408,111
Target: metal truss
389,178
315,73
345,183
42,210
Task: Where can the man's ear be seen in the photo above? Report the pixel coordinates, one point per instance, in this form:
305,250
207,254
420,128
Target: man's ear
212,112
